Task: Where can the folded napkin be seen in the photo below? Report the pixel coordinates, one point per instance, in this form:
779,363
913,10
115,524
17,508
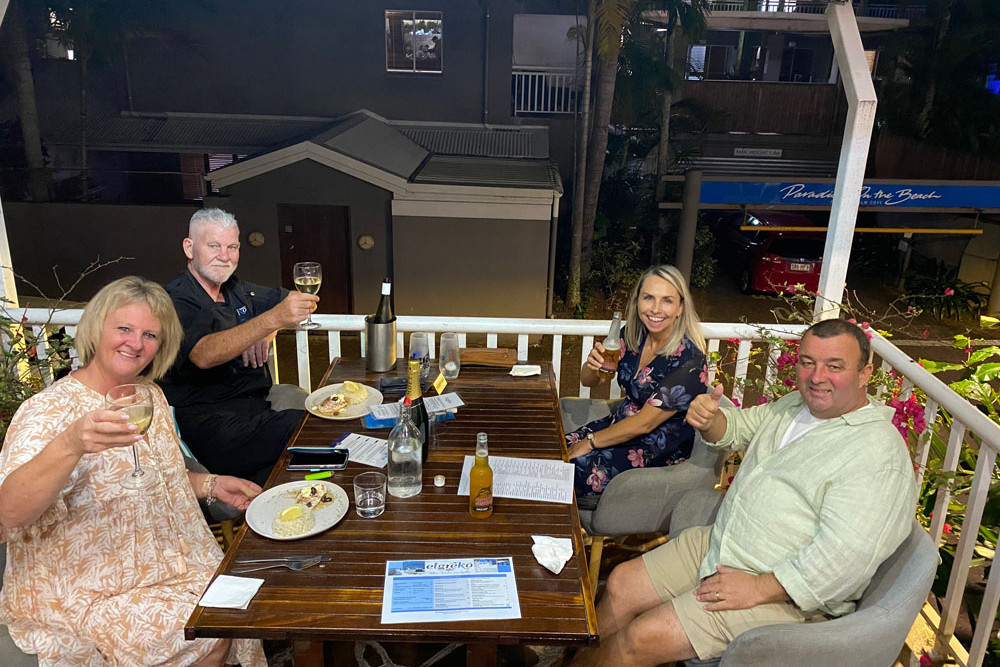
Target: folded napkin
524,370
231,592
552,552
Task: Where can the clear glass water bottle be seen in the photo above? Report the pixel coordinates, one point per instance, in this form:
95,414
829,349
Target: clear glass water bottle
405,465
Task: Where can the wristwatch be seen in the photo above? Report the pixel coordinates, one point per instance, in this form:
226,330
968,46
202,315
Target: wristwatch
590,441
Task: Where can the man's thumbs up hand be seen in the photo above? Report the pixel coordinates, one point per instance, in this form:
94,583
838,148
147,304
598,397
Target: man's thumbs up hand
704,409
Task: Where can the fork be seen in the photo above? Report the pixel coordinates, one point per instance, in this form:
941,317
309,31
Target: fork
322,559
291,565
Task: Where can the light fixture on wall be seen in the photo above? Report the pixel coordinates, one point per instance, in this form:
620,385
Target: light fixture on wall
256,239
366,242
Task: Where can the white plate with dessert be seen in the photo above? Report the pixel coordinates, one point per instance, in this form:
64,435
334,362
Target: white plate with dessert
344,400
297,509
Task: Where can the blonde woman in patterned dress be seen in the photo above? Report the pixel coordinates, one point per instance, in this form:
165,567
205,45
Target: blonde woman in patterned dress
97,574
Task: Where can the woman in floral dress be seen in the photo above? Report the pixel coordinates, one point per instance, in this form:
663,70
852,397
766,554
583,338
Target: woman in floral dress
662,368
97,574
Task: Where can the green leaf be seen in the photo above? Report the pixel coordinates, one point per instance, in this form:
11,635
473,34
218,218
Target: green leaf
939,366
985,552
961,342
983,354
987,372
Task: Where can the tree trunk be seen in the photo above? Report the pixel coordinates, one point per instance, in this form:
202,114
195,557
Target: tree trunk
607,72
663,157
19,61
84,179
924,119
580,173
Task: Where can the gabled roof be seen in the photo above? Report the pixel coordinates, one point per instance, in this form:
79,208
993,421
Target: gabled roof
397,157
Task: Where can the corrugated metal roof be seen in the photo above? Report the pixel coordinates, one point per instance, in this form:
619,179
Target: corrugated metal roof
375,142
481,141
496,172
196,133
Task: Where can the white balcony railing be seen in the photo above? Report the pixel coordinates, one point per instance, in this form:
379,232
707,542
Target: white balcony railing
544,90
880,10
967,423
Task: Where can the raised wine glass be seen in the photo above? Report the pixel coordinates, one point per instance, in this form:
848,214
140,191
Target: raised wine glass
136,401
308,276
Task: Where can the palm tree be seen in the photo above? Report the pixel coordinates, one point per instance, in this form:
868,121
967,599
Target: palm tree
98,31
18,60
610,19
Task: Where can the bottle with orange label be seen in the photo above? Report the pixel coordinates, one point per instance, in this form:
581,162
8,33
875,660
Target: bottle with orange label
481,482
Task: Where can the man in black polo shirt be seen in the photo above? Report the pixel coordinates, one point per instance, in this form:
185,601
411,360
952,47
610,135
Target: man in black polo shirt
229,411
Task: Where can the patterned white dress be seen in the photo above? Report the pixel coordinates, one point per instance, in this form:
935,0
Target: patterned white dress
107,576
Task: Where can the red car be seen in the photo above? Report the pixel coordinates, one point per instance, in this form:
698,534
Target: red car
766,261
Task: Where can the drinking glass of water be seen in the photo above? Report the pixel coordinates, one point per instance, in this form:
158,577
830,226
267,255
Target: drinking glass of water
136,401
308,277
449,362
369,494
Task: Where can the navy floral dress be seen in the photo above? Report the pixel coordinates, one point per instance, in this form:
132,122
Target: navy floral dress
669,383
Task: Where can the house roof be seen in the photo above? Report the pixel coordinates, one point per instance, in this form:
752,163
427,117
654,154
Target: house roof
397,157
464,170
244,134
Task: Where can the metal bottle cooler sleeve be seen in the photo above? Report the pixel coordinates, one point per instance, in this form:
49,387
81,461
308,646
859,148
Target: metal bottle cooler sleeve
380,355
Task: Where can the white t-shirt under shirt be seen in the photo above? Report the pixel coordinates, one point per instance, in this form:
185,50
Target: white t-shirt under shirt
802,424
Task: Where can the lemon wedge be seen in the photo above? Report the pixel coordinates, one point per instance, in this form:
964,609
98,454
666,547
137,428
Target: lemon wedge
350,386
291,513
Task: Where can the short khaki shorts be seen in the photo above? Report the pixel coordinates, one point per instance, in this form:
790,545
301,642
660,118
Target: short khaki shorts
673,571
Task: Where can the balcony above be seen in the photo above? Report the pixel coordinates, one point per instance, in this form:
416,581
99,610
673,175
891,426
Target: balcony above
800,16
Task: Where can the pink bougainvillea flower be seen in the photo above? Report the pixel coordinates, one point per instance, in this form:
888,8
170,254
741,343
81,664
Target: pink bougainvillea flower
735,401
926,333
946,528
635,457
925,660
949,291
762,400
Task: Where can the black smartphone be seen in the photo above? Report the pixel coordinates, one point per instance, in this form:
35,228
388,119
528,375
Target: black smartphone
334,459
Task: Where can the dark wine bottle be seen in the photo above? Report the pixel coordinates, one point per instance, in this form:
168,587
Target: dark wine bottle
383,314
418,411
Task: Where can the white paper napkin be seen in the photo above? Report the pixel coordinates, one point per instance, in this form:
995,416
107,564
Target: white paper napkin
231,592
552,552
524,370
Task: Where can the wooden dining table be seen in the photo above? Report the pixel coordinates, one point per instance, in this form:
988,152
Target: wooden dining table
341,600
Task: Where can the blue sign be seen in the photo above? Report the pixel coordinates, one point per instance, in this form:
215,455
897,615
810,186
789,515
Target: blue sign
889,195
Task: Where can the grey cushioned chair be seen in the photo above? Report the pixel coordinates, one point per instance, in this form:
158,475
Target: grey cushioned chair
870,637
641,500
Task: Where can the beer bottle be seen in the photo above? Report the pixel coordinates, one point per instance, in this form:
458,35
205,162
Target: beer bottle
612,348
481,482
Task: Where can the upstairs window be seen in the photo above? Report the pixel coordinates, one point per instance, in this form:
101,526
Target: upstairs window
413,41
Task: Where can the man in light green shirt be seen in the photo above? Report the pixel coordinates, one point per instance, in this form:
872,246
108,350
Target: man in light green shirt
824,494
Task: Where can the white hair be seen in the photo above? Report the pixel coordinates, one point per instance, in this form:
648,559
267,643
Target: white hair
211,216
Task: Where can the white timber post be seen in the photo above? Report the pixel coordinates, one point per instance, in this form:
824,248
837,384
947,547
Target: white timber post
861,102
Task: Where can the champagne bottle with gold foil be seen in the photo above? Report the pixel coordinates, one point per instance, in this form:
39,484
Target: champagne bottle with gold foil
481,482
418,411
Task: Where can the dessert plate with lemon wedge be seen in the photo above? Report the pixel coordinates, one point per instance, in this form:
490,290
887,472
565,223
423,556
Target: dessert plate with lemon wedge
297,509
344,400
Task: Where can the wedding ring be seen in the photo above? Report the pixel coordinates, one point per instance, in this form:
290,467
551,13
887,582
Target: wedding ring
717,597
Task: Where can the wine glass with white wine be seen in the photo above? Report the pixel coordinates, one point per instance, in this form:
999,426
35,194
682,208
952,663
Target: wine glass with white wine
136,401
308,276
